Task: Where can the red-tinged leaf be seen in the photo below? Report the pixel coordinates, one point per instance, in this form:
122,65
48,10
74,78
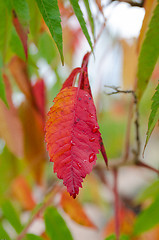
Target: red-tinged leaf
86,86
75,210
34,148
72,77
22,32
72,136
85,81
22,191
18,69
40,96
10,125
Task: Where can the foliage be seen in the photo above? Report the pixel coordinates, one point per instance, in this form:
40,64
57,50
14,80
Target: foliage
35,38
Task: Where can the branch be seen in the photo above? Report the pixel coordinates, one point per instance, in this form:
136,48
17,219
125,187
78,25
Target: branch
55,189
117,91
132,3
116,198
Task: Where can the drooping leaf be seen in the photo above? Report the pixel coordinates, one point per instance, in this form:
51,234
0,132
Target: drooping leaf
5,27
150,192
72,122
149,53
16,45
86,2
56,227
19,71
74,209
22,191
51,14
81,20
11,128
3,233
39,95
86,86
111,237
70,80
22,10
35,20
2,89
154,116
149,6
148,218
46,48
11,215
30,236
34,148
22,32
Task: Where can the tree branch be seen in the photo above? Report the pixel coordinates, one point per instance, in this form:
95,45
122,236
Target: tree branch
132,3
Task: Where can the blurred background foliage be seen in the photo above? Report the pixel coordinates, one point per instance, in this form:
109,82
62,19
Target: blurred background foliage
33,203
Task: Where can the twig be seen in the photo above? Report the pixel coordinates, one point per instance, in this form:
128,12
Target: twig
116,91
39,212
132,3
142,164
116,199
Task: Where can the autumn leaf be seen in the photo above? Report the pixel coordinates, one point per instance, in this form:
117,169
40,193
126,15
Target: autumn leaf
74,209
11,128
70,80
22,191
22,32
72,136
38,90
18,69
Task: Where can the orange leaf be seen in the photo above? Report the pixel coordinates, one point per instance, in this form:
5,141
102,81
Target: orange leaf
22,192
10,128
130,59
19,71
72,136
126,218
22,32
34,148
74,209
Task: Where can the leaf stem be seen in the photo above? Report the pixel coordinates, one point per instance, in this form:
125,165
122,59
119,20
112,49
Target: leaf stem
116,200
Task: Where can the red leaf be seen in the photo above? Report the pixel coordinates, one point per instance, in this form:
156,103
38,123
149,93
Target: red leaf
70,80
39,95
84,78
72,136
22,32
86,86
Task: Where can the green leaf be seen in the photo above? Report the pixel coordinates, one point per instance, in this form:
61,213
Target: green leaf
35,20
30,236
86,2
3,234
148,218
11,215
5,27
22,10
81,20
111,237
51,14
16,45
2,90
56,227
154,116
149,193
149,53
46,49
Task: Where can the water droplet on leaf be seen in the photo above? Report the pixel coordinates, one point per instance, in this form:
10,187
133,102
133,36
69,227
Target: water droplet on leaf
95,129
92,157
79,165
92,139
72,143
